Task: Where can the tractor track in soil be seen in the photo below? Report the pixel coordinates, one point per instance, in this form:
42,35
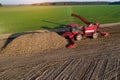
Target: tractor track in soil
92,59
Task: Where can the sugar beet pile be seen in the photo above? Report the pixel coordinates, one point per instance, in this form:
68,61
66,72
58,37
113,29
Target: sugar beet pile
35,42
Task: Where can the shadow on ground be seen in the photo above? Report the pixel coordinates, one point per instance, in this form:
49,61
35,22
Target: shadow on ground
61,28
59,25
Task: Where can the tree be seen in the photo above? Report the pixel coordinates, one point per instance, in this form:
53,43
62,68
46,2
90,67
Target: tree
0,4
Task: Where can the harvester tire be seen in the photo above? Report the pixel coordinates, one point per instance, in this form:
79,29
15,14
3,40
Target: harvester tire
95,35
78,37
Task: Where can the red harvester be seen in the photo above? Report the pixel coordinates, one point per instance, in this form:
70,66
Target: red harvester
75,33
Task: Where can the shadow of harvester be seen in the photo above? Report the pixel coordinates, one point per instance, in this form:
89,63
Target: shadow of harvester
61,28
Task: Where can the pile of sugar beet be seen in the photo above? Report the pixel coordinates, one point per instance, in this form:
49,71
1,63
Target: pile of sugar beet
35,43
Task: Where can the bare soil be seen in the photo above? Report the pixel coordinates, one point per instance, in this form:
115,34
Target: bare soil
91,59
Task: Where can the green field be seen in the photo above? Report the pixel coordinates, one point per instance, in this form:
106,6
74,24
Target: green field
28,18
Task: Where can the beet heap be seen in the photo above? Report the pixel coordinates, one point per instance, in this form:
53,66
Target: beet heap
34,43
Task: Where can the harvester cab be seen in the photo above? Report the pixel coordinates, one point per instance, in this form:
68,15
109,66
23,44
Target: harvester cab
73,27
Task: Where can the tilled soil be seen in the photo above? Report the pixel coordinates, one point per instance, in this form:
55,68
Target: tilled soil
92,59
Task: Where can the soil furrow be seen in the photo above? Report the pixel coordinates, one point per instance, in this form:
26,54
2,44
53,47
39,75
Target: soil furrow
118,70
66,73
48,72
112,71
59,70
97,70
82,70
102,70
90,70
33,71
39,71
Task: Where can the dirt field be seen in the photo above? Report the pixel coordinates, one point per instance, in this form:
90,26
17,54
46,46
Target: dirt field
92,59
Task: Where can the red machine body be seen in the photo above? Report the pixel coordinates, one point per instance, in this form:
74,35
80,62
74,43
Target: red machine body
75,33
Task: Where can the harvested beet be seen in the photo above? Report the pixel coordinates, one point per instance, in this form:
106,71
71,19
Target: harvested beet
35,42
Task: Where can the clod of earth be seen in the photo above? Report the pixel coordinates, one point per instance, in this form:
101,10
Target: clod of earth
34,43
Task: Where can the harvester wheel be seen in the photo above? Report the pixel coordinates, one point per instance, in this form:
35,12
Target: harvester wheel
95,35
78,37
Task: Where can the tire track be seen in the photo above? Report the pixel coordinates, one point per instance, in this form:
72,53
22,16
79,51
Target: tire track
97,70
48,72
82,69
5,76
118,70
76,70
11,74
33,71
33,74
112,69
71,69
68,71
60,69
102,70
90,70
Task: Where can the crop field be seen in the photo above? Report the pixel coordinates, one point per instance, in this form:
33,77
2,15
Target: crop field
28,18
91,59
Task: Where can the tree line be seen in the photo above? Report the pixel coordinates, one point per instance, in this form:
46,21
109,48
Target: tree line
70,3
0,4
